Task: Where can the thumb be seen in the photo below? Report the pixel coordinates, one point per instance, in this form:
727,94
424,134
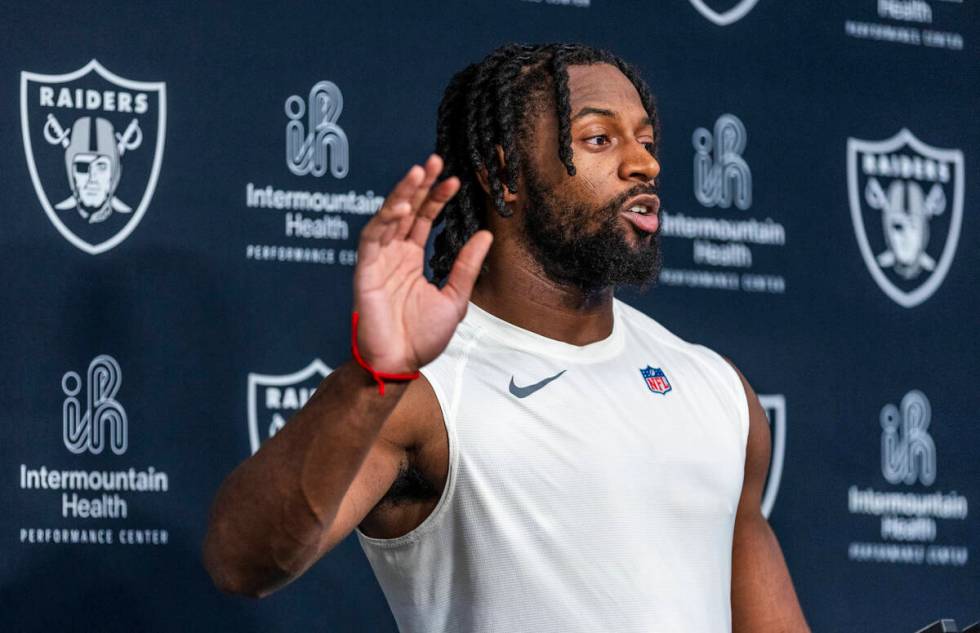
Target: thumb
466,268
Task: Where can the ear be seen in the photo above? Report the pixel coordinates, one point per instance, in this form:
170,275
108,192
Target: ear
481,175
508,195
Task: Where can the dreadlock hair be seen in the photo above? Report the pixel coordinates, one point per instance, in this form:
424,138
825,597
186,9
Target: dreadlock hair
489,104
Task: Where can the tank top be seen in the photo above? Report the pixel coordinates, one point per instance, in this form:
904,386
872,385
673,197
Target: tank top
590,488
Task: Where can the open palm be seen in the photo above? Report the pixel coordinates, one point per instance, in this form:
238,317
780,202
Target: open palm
406,321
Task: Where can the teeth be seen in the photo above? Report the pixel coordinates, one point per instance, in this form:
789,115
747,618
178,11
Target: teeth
638,209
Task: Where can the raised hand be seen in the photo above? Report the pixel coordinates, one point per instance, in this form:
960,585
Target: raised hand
405,321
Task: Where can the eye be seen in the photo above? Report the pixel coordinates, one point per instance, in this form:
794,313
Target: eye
598,140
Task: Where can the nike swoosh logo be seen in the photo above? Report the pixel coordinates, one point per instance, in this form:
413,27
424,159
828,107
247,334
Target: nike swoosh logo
524,392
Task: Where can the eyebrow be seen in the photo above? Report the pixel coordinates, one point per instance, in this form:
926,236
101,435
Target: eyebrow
587,110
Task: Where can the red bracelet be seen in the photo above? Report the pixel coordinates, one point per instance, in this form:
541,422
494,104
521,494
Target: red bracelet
379,377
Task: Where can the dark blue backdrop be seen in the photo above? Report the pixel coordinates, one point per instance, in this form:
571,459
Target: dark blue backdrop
844,286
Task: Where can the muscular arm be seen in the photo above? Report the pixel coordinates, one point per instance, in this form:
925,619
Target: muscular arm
763,599
307,487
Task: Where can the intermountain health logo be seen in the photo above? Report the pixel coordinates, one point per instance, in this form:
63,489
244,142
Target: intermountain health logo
721,176
729,13
906,200
729,249
94,145
83,497
917,524
272,399
319,143
295,223
907,450
100,420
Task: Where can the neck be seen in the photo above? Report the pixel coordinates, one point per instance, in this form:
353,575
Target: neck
513,287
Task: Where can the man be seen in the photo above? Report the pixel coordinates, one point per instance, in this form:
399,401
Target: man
92,161
564,463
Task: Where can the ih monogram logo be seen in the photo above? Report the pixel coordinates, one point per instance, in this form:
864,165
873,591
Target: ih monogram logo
322,143
721,175
907,450
103,415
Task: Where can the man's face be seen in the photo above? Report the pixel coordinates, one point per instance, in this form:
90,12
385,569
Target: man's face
92,174
581,228
904,236
906,227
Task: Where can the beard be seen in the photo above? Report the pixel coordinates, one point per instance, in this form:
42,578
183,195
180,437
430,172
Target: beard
560,238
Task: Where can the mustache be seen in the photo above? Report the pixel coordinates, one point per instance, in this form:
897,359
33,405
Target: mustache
616,203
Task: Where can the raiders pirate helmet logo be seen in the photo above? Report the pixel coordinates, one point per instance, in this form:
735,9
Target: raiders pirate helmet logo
80,130
906,201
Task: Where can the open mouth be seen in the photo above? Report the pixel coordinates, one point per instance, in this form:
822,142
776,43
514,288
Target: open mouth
643,212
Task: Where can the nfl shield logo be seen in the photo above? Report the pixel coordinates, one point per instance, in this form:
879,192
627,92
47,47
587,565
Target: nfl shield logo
906,201
273,399
94,145
656,380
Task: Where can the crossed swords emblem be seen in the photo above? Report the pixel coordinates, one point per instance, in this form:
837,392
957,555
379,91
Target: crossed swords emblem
130,139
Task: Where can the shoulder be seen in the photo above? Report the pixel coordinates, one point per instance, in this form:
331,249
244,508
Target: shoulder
445,370
421,417
758,445
717,369
644,326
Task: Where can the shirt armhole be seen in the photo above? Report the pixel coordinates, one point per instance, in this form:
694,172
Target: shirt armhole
737,391
447,395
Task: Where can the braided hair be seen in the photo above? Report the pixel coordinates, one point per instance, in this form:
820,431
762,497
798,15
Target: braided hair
490,104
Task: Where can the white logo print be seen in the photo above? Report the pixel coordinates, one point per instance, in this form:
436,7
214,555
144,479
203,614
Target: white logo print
907,450
721,175
86,429
775,407
906,201
272,399
322,143
78,129
724,18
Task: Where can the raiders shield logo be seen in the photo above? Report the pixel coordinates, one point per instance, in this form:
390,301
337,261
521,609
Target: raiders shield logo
906,201
775,407
273,399
94,146
724,18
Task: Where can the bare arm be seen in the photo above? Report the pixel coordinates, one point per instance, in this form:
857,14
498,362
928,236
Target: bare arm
763,599
308,486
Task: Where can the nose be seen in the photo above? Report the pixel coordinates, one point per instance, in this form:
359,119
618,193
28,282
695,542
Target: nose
638,164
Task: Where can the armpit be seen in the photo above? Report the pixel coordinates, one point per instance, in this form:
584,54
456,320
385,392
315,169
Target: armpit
410,486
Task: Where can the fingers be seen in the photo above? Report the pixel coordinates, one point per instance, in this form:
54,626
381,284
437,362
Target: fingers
414,197
405,190
431,207
396,206
380,229
433,167
466,268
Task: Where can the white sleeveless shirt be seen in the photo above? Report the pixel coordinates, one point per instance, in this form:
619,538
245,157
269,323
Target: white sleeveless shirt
582,495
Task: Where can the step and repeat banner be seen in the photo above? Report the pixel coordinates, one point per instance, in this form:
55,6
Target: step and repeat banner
183,188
